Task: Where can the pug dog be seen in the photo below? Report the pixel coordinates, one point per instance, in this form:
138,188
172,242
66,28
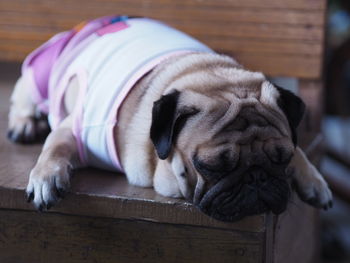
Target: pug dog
135,95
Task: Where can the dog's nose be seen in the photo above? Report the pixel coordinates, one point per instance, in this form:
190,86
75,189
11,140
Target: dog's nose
255,177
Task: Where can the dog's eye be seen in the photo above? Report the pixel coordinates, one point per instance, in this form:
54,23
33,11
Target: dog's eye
184,173
215,171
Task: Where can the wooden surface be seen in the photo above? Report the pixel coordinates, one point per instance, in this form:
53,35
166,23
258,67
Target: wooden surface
296,234
277,37
95,192
42,238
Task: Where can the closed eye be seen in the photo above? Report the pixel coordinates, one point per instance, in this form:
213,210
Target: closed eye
214,171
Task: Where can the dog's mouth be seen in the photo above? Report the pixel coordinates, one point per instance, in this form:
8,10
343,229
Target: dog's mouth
254,194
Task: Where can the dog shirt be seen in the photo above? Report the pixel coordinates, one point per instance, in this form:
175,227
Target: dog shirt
108,56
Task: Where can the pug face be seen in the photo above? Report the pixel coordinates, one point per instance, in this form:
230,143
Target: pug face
229,140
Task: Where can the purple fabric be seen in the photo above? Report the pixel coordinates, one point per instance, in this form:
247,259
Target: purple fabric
44,59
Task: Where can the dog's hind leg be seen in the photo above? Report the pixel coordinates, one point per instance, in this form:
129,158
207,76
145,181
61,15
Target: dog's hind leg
309,183
50,177
26,124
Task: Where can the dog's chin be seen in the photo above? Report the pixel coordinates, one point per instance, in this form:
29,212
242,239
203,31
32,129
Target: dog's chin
245,200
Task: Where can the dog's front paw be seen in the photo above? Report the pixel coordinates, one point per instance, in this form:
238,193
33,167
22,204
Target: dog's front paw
48,182
27,128
315,191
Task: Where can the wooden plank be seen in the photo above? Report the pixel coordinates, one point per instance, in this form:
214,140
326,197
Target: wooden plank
6,56
94,193
64,18
255,4
272,27
204,28
201,28
296,234
42,238
250,46
259,46
282,65
25,34
280,4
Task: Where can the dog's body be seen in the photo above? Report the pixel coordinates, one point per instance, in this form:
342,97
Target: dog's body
197,126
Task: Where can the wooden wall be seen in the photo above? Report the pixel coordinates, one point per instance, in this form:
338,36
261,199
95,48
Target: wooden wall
278,37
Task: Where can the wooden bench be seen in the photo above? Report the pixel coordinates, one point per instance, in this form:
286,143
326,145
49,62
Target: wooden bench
104,219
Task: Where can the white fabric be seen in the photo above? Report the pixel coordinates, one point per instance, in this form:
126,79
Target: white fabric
110,62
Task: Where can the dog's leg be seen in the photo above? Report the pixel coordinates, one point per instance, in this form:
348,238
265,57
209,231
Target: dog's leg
50,177
26,124
165,182
310,185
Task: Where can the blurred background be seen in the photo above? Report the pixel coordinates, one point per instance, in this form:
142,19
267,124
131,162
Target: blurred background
336,130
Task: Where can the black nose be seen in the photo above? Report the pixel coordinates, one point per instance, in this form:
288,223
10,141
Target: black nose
255,177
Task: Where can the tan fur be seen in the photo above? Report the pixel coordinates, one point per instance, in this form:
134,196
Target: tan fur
52,170
22,108
310,184
194,76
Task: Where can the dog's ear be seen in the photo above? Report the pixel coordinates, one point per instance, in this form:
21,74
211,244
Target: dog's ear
293,107
163,122
167,121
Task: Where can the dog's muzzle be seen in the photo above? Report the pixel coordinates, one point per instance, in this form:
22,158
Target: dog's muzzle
254,192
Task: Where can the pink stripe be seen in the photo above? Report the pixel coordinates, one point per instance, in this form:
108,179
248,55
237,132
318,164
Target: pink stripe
78,113
112,28
56,101
88,29
111,144
58,88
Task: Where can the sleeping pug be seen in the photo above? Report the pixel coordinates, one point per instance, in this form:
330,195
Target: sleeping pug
134,95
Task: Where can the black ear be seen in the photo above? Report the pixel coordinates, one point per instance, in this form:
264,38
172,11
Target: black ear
167,122
163,122
293,107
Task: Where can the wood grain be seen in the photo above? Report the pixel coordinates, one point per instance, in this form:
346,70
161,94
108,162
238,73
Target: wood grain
304,248
257,4
42,238
65,18
279,64
291,32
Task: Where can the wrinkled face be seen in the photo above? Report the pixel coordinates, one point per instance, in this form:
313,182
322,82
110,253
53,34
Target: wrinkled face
230,148
244,166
